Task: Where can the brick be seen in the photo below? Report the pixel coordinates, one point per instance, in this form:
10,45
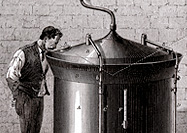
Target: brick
95,22
159,22
31,22
149,10
3,49
181,11
16,10
6,10
125,2
182,82
11,47
142,2
107,22
168,11
10,22
180,40
72,10
69,2
102,3
181,94
28,2
159,2
107,2
86,11
7,34
178,2
133,22
182,69
141,22
181,117
10,2
64,22
44,2
181,35
49,20
2,23
55,10
27,34
79,21
99,13
152,34
131,11
3,60
168,35
73,34
63,2
24,10
177,22
137,22
41,10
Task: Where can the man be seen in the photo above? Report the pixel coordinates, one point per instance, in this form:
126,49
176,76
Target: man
26,79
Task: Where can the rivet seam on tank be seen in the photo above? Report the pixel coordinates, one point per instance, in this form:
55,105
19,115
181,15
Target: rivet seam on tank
97,77
105,108
120,109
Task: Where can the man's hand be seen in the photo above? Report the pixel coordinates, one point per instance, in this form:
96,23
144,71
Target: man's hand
43,89
13,85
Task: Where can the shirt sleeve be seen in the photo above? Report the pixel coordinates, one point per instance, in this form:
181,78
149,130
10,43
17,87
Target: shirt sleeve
15,66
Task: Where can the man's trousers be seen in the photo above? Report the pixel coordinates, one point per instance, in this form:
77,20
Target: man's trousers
30,112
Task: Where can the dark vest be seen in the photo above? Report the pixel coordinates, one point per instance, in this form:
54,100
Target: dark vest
31,73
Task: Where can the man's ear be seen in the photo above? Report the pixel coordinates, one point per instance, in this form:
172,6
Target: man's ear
45,38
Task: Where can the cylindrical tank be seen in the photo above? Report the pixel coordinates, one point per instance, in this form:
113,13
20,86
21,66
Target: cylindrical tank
128,90
146,85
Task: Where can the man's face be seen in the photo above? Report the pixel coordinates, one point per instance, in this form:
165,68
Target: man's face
51,43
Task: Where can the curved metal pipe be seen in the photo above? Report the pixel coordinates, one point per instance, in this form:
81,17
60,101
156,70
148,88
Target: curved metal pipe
144,41
101,120
113,20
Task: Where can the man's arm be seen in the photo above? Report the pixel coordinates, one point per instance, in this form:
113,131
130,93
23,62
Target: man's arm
14,70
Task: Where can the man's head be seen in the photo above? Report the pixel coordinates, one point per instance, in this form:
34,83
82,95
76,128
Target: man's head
50,37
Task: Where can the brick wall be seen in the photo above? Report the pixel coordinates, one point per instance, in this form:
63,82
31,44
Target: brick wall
21,22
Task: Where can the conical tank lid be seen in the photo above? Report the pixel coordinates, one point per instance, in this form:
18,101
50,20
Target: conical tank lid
114,50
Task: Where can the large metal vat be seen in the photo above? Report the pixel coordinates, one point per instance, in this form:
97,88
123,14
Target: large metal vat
113,85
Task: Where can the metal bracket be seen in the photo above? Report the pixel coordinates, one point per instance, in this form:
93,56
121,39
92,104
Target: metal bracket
144,41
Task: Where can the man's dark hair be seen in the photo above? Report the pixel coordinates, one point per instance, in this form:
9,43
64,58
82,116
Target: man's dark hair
50,32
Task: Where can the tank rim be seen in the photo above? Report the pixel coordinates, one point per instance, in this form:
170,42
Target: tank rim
143,63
